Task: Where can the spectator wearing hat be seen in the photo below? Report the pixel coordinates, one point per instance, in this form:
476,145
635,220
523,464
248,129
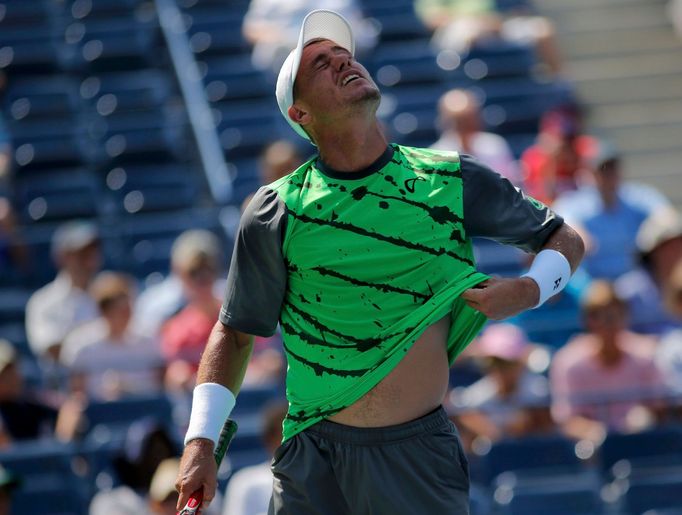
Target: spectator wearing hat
659,249
198,267
608,214
605,379
8,483
107,358
510,399
23,415
459,117
163,497
161,301
62,305
249,489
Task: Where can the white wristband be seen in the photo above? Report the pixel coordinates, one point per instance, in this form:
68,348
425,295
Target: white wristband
212,403
551,271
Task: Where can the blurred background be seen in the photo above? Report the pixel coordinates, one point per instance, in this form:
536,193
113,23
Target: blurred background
132,132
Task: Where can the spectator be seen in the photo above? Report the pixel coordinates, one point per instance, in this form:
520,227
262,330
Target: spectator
272,27
147,445
249,490
277,160
5,147
556,163
669,351
162,496
509,400
107,358
161,301
23,416
59,307
461,24
608,215
659,248
8,482
14,257
184,336
605,379
460,123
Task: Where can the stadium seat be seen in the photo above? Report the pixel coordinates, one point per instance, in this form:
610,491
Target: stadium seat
127,410
135,188
653,492
52,480
13,304
406,62
652,447
533,454
57,195
557,499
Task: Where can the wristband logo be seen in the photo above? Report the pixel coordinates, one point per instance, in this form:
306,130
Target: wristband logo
557,283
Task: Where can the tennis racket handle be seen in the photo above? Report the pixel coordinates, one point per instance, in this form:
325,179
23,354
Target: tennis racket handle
193,504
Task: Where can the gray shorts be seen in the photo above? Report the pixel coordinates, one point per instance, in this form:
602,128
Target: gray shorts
413,468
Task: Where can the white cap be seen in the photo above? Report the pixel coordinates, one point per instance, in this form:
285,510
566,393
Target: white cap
319,24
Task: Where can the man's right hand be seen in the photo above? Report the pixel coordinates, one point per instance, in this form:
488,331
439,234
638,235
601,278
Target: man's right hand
198,471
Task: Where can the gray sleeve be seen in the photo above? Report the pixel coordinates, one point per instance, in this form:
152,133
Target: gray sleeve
257,277
495,209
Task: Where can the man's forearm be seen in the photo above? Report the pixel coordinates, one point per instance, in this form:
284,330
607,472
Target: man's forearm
567,241
225,359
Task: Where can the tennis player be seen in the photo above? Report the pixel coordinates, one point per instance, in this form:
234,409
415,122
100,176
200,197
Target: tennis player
363,256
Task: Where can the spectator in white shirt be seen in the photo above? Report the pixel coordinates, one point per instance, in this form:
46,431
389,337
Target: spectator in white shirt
107,358
59,307
460,122
272,27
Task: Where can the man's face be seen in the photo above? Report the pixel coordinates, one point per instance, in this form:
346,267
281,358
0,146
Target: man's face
330,84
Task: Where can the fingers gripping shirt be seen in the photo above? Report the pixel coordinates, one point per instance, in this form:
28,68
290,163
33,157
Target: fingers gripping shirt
372,259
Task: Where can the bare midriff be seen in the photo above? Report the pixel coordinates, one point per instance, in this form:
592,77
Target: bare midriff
414,387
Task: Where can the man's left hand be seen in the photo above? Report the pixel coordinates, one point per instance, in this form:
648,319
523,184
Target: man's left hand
499,298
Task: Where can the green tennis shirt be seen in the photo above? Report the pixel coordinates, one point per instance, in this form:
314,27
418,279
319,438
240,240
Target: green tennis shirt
369,261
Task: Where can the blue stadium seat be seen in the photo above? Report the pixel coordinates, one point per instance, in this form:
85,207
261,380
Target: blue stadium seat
498,58
406,62
535,454
52,483
216,32
653,492
126,91
39,97
557,499
127,410
136,188
109,44
57,195
398,24
654,447
13,304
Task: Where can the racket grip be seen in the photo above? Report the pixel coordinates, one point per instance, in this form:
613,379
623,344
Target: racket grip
193,504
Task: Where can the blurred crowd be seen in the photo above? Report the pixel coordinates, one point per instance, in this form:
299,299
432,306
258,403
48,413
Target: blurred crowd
100,335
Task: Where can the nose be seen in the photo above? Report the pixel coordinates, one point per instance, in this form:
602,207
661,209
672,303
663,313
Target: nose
341,61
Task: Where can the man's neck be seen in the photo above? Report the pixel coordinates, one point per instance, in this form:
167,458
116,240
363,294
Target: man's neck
352,148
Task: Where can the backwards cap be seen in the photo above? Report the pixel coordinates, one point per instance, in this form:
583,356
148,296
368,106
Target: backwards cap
319,24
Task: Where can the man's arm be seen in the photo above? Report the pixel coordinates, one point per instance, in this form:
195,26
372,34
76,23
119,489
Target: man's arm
500,298
495,209
224,362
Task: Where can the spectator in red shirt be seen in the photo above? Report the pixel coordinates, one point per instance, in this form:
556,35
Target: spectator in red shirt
197,263
556,162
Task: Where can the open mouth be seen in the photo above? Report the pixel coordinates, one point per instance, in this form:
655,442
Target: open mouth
350,78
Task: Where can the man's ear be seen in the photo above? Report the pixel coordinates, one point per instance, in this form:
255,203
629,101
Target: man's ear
299,115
